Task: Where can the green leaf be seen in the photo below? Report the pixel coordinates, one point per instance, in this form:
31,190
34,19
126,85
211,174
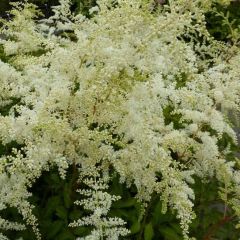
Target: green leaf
176,227
54,229
54,178
81,231
130,215
61,212
75,214
52,204
124,203
148,232
169,233
158,216
67,195
65,235
135,228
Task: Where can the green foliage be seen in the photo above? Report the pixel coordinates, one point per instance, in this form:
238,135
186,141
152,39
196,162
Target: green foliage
224,20
54,200
82,6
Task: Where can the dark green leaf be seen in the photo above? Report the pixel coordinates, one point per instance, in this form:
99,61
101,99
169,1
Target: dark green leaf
67,195
169,233
54,229
124,203
65,235
61,212
135,228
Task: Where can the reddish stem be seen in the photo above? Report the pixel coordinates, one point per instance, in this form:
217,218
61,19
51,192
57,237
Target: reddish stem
216,226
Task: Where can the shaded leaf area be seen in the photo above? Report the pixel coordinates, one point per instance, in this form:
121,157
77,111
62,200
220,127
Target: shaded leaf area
3,56
215,220
4,111
54,199
215,23
44,5
82,6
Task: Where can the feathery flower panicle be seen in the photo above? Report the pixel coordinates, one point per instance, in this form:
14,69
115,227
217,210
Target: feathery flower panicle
122,91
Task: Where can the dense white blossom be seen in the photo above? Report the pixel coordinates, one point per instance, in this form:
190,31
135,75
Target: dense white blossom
128,93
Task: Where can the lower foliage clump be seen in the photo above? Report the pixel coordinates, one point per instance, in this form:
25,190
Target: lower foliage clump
116,126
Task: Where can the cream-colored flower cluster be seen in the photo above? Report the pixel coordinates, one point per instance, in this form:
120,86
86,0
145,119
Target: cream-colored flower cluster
132,89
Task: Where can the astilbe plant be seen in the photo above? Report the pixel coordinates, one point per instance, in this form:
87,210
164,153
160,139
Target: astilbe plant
136,89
